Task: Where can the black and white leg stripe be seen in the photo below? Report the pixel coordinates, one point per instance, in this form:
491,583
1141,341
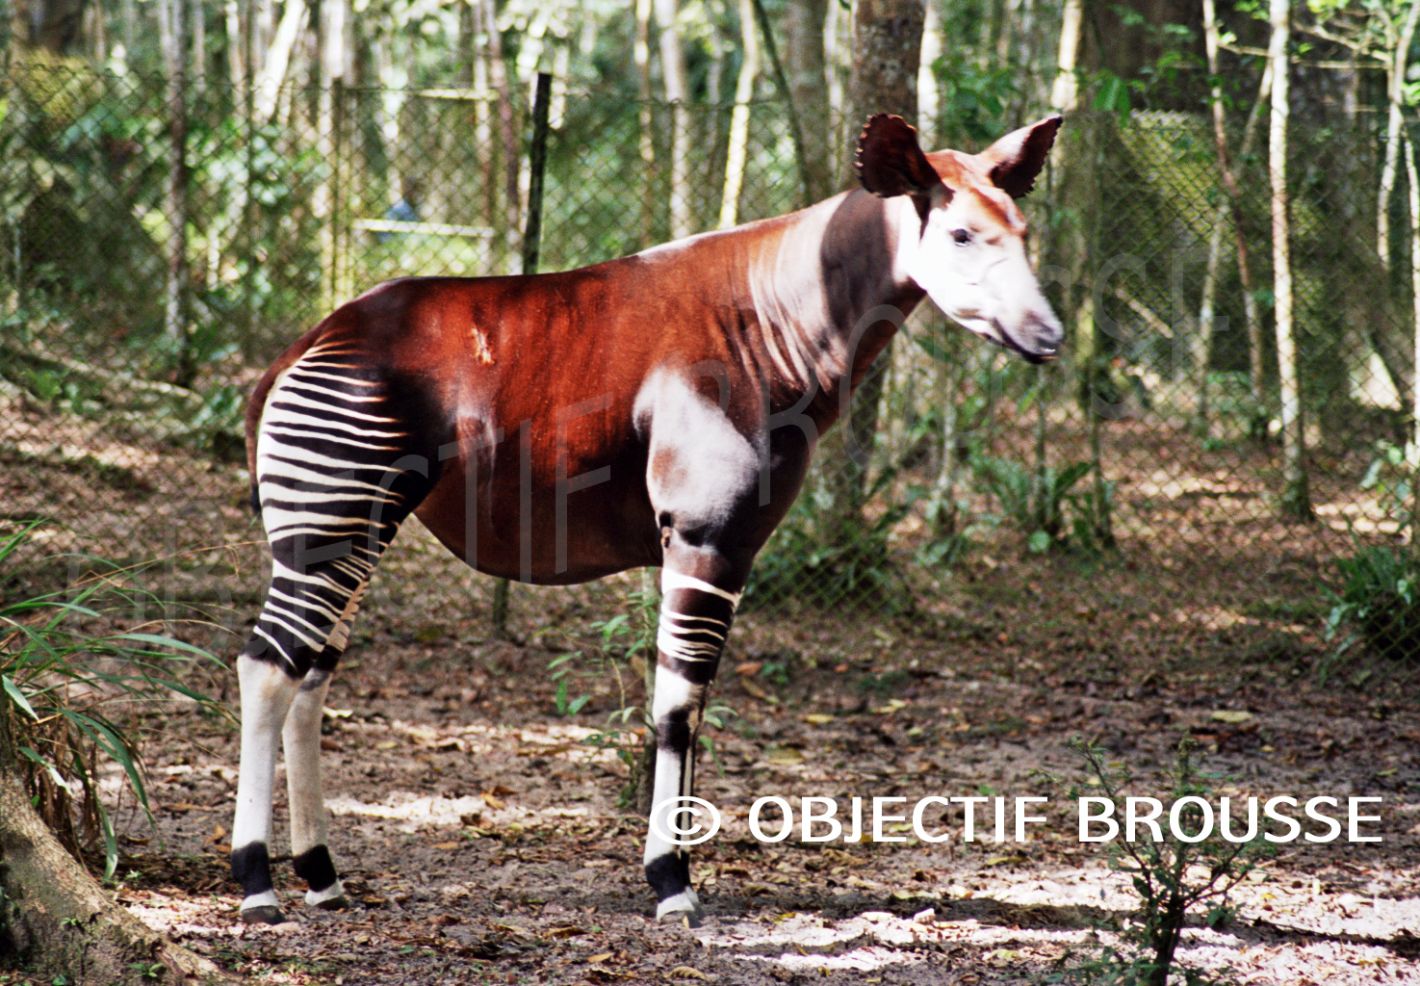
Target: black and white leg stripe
694,622
336,475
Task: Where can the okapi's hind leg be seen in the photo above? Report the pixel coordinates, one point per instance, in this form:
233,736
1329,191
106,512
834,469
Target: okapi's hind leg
338,471
699,592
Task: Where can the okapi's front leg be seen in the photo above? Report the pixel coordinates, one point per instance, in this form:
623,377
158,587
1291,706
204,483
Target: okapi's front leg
699,592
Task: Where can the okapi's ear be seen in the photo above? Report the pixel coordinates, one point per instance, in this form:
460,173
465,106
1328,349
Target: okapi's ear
1015,160
889,161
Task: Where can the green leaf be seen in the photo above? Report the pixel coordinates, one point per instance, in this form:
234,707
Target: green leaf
1039,542
18,697
159,640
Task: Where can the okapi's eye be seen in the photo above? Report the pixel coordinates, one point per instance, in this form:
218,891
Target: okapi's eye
961,236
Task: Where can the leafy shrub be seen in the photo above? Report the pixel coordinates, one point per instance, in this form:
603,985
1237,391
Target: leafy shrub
1378,603
1044,504
57,676
1171,878
829,568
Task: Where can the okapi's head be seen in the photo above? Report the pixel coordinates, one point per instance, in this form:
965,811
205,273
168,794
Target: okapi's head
970,251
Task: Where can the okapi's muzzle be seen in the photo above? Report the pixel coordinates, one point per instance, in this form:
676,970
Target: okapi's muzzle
1039,338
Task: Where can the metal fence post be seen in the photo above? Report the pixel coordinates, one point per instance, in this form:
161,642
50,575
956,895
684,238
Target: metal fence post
532,242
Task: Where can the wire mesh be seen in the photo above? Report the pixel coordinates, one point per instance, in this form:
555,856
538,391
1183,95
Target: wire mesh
139,308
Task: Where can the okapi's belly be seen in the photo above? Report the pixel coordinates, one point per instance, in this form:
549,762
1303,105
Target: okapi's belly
517,525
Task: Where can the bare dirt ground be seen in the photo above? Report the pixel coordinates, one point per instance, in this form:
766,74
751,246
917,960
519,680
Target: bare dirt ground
482,840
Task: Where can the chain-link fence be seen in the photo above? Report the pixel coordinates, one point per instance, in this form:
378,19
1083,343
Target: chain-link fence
154,261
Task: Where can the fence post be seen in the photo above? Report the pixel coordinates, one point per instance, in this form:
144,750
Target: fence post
532,242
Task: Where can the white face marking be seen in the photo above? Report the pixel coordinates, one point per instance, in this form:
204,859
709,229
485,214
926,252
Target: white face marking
976,271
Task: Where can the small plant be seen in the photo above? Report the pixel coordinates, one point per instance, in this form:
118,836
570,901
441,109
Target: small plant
1044,503
1172,878
1392,476
1378,605
56,677
833,568
625,640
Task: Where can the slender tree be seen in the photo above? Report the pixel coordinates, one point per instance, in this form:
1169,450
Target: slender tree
738,150
174,37
887,42
1232,208
1413,446
645,118
1295,498
677,90
807,68
331,61
277,59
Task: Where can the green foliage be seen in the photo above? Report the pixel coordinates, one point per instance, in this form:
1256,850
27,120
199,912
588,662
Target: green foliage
1378,601
975,98
626,641
1392,476
1171,878
806,562
1044,503
1378,604
57,676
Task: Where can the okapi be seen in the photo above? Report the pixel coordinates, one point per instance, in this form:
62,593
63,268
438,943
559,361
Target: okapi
656,410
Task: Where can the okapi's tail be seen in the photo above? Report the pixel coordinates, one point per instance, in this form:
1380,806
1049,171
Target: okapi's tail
257,404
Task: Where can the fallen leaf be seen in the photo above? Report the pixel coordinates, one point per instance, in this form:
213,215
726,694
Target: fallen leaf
785,755
749,685
600,957
818,719
1230,716
749,669
686,972
565,931
446,846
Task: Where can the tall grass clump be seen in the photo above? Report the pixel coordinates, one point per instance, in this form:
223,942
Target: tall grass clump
71,677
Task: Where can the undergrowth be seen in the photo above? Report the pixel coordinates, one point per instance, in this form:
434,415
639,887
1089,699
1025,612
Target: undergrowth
64,684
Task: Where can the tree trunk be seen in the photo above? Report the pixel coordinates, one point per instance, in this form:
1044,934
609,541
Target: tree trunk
1395,102
646,137
330,56
507,128
1295,499
673,77
737,152
173,30
887,42
1232,188
236,44
277,59
1413,449
1065,91
806,68
929,96
199,47
58,922
1396,69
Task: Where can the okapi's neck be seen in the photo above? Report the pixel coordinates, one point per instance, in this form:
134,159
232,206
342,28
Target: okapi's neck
829,291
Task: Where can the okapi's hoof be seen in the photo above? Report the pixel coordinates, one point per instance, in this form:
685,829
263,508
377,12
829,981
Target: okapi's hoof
263,914
683,908
337,903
